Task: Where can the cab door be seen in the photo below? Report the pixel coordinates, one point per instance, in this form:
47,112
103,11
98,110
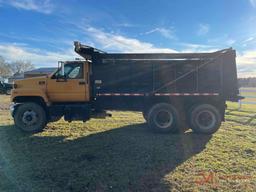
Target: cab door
73,86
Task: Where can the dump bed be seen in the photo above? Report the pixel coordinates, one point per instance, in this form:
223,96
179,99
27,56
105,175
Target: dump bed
167,74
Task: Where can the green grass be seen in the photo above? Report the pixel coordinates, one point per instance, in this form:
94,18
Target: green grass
120,154
245,93
233,106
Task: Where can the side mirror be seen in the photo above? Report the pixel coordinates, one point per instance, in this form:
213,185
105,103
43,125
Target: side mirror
61,77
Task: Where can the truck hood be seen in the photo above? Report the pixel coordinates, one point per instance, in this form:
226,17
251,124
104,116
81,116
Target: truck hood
31,83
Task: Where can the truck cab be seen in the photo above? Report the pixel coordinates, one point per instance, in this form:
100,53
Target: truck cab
70,83
46,98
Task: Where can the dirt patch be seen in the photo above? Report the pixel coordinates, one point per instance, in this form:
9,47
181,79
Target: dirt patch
4,102
4,106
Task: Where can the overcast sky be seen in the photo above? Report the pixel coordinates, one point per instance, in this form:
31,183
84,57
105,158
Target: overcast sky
43,31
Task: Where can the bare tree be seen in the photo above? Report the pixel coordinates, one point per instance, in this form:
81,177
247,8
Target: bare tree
5,68
21,66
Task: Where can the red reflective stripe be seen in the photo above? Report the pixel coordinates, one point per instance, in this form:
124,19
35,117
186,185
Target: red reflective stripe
186,94
158,94
120,94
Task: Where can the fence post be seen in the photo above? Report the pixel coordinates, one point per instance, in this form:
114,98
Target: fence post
239,104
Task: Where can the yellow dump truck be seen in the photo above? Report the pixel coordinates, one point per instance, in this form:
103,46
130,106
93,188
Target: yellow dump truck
172,90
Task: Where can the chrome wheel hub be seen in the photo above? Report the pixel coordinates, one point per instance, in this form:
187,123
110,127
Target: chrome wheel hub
163,119
206,119
29,117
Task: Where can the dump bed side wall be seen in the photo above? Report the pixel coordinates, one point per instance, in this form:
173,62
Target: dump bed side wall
146,77
123,76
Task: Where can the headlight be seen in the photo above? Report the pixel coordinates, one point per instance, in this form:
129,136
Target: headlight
11,107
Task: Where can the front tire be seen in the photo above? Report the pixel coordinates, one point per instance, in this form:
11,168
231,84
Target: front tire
163,118
205,118
30,117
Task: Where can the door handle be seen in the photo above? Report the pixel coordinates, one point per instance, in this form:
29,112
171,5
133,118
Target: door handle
81,83
41,82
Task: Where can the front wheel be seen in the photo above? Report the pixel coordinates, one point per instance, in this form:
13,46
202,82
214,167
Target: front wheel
30,117
205,118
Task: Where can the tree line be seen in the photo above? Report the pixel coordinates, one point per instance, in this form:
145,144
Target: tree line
247,82
8,69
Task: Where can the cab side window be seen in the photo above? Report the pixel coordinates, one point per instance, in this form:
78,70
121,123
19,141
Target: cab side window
71,71
76,72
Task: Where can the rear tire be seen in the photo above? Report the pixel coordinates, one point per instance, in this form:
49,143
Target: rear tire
205,118
163,118
30,117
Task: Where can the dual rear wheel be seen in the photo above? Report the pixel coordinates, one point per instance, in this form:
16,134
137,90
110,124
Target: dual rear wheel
205,118
201,118
163,118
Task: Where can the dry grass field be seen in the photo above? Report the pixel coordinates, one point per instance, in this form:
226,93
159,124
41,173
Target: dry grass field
120,154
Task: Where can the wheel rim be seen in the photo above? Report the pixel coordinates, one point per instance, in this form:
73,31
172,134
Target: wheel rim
163,119
29,118
205,119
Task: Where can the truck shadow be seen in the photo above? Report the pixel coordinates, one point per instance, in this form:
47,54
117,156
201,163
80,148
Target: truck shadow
128,158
